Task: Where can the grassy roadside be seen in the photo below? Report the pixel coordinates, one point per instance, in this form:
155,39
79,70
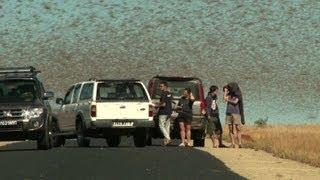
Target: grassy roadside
296,142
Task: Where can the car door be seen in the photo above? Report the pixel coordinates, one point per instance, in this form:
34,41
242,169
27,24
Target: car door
73,107
85,100
64,111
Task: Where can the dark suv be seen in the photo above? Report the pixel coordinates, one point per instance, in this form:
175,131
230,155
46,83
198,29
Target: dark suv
176,87
25,113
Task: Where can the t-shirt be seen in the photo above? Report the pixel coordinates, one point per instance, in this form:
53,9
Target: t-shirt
186,106
165,97
212,106
233,108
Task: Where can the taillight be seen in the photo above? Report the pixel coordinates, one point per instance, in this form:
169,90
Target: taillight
151,110
93,111
202,100
151,87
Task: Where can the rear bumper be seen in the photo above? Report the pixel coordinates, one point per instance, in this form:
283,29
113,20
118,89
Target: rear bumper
198,128
104,128
197,123
110,124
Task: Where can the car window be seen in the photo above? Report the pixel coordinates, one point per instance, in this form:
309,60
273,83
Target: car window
76,93
17,91
121,91
87,90
67,98
177,87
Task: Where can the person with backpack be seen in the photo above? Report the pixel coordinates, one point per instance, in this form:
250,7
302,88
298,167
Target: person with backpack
214,128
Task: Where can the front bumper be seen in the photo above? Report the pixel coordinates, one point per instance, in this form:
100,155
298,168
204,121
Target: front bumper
21,131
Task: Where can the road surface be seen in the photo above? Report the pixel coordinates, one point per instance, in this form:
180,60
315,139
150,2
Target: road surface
22,161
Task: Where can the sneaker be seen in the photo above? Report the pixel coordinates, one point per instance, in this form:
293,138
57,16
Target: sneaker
166,142
188,145
182,145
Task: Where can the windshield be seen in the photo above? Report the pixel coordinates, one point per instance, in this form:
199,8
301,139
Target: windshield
177,87
121,91
17,91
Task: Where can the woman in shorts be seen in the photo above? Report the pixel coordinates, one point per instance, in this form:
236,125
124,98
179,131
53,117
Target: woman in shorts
184,117
234,112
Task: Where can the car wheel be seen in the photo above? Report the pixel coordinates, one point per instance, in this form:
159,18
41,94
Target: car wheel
45,140
140,138
199,140
113,141
81,139
57,139
149,138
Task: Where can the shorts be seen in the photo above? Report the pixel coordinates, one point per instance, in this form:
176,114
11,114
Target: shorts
184,118
214,126
233,119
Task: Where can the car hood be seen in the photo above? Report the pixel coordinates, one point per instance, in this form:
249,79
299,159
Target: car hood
13,105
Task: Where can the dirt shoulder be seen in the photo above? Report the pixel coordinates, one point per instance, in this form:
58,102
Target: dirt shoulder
254,164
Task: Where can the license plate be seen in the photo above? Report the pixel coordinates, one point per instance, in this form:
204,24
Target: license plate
8,123
122,124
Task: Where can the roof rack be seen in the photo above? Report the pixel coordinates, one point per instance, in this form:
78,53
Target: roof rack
16,70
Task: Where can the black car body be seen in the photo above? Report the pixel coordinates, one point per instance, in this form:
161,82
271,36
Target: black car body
25,113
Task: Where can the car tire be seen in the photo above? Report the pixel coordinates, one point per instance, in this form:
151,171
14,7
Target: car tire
57,140
149,138
113,141
81,139
149,141
45,140
199,140
140,138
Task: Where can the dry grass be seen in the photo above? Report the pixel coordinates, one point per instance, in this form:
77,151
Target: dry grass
296,142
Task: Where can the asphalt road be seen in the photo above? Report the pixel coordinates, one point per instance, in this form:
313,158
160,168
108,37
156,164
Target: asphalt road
23,161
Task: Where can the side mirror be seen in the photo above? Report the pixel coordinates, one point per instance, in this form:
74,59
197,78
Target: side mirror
48,95
59,101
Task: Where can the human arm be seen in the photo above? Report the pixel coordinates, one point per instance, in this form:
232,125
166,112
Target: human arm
233,100
209,104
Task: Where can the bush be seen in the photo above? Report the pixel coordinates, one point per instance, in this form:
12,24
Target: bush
261,122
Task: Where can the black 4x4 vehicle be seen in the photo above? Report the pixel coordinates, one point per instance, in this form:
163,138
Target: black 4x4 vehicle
176,87
25,113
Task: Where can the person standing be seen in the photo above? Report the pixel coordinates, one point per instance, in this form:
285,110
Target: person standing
234,112
214,128
165,111
184,118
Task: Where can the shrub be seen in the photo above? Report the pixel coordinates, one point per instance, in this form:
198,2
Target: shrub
261,122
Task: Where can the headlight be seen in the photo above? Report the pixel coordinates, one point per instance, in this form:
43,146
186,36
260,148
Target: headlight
33,113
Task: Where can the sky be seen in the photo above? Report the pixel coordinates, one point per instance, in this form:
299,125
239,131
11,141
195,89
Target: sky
271,48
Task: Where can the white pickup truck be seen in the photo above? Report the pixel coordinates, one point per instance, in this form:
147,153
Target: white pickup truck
104,109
